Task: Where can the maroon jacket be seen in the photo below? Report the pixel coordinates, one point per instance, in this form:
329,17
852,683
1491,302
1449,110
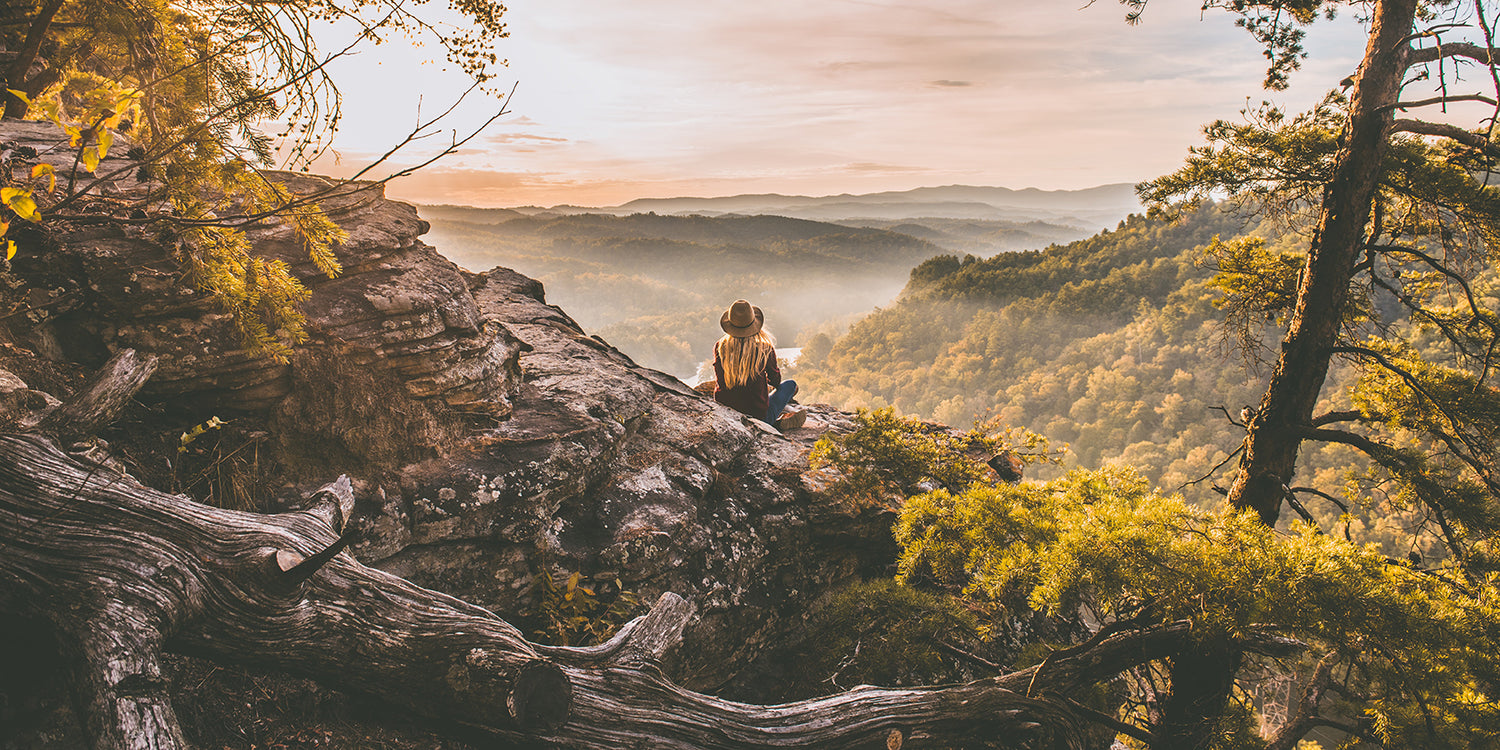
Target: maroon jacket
752,398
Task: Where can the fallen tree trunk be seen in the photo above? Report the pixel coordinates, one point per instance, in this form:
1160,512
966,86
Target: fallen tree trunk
122,572
621,700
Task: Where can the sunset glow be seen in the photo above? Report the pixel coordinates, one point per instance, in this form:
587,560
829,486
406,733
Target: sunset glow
679,97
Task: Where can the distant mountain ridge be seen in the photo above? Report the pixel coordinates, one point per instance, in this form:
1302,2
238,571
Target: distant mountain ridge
654,284
1091,208
1113,195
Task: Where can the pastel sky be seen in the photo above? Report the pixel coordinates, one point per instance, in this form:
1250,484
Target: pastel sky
658,98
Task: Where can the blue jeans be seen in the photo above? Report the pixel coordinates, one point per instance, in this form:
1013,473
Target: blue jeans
779,399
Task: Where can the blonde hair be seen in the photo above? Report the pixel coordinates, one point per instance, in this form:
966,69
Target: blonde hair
743,358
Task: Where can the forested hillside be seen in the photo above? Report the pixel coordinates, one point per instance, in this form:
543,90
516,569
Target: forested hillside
654,285
975,236
1110,344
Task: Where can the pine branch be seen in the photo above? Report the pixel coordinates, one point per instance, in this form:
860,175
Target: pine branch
1467,452
1314,491
1452,132
1392,459
1444,100
1449,333
1483,55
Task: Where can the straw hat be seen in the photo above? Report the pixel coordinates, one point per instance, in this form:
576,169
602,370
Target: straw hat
742,320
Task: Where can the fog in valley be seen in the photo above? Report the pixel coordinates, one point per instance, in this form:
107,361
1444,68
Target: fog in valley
652,276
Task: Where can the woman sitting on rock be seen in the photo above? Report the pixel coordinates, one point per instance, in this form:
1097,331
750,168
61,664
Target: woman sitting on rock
746,369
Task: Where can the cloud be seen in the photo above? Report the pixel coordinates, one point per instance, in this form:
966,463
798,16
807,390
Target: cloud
502,139
494,188
874,168
652,97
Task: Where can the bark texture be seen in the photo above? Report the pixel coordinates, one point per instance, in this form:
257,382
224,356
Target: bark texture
1273,442
20,67
107,394
121,570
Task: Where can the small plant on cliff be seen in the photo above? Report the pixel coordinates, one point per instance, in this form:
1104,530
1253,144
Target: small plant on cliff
579,611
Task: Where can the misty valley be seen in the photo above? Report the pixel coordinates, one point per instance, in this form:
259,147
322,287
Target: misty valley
652,277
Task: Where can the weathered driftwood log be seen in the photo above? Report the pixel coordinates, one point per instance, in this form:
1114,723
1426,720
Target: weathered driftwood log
122,571
622,700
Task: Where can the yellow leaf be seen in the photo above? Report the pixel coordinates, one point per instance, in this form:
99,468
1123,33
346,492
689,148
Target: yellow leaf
573,581
20,201
10,249
75,135
106,138
20,95
4,227
24,207
45,169
90,159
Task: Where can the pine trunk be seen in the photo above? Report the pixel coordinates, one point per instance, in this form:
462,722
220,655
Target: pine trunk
1272,444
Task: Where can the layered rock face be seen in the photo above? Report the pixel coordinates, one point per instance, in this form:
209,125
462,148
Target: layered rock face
610,469
493,444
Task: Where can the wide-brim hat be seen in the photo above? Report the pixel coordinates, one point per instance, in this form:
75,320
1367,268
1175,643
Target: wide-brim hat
742,320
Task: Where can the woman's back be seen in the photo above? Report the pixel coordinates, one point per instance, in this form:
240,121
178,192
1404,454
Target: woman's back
743,359
746,369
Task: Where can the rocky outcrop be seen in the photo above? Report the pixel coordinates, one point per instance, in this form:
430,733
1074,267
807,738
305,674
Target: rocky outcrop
619,471
493,444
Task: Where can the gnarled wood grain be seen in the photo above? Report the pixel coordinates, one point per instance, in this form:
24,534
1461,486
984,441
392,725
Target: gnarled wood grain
120,568
101,400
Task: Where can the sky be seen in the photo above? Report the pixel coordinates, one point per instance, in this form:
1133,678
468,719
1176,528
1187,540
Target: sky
617,100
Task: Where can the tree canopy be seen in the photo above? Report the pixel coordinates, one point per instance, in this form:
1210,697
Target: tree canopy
209,95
